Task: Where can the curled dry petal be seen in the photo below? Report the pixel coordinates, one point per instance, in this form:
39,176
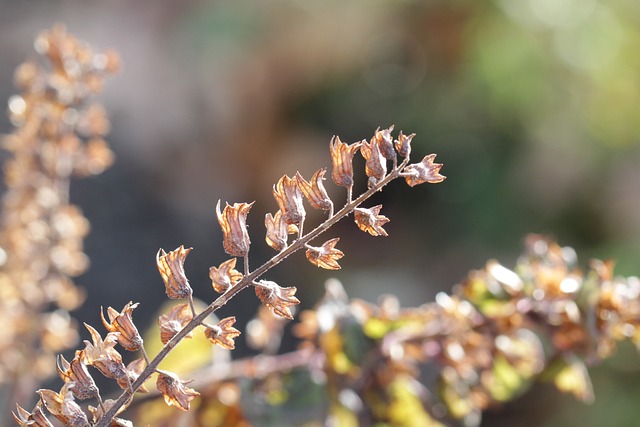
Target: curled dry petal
172,322
174,390
171,268
102,355
376,164
385,142
223,333
277,231
277,298
34,419
289,197
76,372
342,160
326,256
225,276
233,221
63,406
370,220
403,144
129,337
425,171
314,190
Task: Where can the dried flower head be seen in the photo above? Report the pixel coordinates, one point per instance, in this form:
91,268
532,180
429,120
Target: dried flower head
376,164
172,322
370,220
289,197
171,268
425,171
223,333
314,190
384,140
76,372
35,418
277,231
342,159
122,322
63,406
102,355
233,221
325,256
225,276
277,298
403,144
174,390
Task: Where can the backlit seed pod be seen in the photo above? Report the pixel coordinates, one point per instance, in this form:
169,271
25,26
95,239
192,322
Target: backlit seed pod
174,390
171,268
129,337
34,419
233,221
63,406
370,220
289,198
326,256
225,276
76,372
277,231
342,160
425,171
376,164
277,298
102,355
403,144
314,190
172,322
385,142
223,333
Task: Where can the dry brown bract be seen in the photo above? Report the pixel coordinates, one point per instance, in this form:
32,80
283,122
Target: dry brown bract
425,171
289,198
224,276
342,159
129,337
174,390
277,231
76,372
171,268
326,256
63,406
370,220
233,221
34,419
172,322
277,298
314,190
223,333
102,355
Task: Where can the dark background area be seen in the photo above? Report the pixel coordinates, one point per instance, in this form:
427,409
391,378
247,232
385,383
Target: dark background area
533,106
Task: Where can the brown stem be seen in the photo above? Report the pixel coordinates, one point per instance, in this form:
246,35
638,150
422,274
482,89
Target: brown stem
240,286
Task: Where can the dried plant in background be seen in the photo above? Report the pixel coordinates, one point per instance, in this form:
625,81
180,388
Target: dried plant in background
59,134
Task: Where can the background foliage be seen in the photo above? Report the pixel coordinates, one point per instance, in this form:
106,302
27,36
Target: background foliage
531,104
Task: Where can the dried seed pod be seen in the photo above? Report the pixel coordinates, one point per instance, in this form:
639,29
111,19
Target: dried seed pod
403,144
385,142
376,164
171,268
172,322
223,333
277,298
370,220
342,160
98,412
325,256
277,231
35,418
76,372
102,355
314,190
174,390
233,221
289,197
122,322
225,276
134,369
425,171
63,406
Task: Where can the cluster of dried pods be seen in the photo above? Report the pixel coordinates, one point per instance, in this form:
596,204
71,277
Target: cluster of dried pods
182,319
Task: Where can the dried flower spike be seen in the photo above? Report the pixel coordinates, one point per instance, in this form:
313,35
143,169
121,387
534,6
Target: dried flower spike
223,333
370,220
171,268
277,298
314,190
172,322
277,231
425,171
233,221
174,390
225,275
289,197
122,322
326,256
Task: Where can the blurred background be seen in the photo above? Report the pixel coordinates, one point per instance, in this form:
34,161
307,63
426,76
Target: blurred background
533,106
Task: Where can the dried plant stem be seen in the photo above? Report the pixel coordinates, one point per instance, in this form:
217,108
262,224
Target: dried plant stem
246,281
